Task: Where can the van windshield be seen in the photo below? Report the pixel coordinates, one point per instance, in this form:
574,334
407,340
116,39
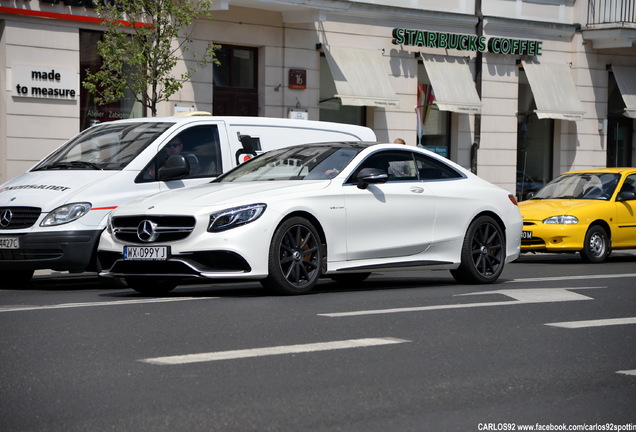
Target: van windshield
107,146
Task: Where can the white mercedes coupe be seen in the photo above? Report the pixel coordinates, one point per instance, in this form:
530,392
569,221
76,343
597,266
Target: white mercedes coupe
336,210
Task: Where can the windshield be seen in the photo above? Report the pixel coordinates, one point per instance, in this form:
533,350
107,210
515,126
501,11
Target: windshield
597,186
315,162
107,146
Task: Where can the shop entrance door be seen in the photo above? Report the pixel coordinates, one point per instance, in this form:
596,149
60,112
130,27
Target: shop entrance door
235,82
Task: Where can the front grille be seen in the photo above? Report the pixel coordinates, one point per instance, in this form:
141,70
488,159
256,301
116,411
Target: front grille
18,217
166,228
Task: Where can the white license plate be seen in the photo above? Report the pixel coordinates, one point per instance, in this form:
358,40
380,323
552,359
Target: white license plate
151,253
526,235
9,243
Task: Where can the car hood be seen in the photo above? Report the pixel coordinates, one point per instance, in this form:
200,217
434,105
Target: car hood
541,209
187,200
50,189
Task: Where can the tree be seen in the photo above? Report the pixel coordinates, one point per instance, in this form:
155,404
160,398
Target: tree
140,48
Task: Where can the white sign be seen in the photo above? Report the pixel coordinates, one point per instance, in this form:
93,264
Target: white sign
44,82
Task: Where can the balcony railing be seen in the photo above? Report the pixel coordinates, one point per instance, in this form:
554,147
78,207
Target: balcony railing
611,12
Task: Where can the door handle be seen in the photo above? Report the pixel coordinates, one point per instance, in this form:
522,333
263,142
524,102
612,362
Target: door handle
416,189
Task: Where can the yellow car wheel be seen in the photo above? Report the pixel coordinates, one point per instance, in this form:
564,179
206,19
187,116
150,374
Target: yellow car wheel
596,247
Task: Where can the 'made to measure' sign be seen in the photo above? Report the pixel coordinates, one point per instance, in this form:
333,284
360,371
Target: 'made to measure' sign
464,42
44,82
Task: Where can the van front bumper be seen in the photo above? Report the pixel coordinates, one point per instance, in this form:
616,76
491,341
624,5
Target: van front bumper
61,251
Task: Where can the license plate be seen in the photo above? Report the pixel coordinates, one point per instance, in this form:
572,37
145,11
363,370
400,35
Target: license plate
526,235
146,253
9,243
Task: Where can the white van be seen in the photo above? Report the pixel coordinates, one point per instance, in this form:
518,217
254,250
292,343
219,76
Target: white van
52,216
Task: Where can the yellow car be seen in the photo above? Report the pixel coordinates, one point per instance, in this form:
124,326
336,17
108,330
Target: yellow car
592,212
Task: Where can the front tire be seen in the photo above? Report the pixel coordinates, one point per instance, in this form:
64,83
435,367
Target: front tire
596,247
483,253
295,258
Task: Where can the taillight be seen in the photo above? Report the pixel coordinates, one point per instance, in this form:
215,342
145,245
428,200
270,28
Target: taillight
512,199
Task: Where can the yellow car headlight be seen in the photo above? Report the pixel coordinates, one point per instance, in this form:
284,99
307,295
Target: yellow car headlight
561,220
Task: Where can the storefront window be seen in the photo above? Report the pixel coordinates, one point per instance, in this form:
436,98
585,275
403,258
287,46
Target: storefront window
236,81
331,108
535,143
90,113
433,125
620,129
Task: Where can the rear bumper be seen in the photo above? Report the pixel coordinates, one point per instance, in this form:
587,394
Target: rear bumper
61,251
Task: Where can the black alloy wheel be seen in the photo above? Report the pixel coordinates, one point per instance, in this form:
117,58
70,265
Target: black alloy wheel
483,253
295,258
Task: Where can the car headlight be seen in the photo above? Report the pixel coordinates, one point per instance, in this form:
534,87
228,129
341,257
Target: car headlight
231,218
66,213
561,220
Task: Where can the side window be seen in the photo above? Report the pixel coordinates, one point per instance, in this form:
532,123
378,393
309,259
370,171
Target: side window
630,184
432,169
200,145
399,165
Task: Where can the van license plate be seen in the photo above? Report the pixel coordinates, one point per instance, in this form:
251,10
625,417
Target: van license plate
9,243
146,253
526,235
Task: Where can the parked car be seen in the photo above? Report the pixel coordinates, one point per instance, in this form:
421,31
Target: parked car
526,186
592,212
340,210
52,215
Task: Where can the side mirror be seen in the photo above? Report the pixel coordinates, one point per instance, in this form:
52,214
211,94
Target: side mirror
176,167
368,176
626,196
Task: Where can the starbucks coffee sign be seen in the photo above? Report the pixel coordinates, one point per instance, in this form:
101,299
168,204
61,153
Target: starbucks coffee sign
464,42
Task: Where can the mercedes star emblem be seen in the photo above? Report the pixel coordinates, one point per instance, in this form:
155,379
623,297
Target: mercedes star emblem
146,231
5,218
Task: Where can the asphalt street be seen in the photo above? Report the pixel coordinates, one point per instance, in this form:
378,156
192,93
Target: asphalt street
552,346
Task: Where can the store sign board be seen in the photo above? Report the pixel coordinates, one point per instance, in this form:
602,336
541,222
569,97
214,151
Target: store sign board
464,42
44,82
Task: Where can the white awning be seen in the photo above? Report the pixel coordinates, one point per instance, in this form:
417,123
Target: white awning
626,80
453,84
554,91
361,77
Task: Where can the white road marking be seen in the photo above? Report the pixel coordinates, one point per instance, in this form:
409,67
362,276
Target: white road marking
522,296
579,277
594,323
627,372
275,350
106,303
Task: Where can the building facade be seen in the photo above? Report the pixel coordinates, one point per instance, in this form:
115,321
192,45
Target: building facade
517,90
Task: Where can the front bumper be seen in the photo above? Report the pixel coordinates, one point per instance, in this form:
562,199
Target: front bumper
553,237
61,251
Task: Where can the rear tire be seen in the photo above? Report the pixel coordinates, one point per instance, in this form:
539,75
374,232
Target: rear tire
295,258
483,253
596,247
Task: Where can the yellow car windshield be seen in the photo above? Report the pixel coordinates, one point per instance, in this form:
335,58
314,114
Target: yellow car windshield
594,186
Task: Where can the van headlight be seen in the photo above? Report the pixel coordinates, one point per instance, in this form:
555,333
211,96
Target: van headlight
561,220
231,218
65,214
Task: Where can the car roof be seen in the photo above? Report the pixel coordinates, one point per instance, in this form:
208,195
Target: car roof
617,170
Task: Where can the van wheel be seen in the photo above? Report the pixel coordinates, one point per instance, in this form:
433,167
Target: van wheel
483,253
16,278
150,286
295,255
596,247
